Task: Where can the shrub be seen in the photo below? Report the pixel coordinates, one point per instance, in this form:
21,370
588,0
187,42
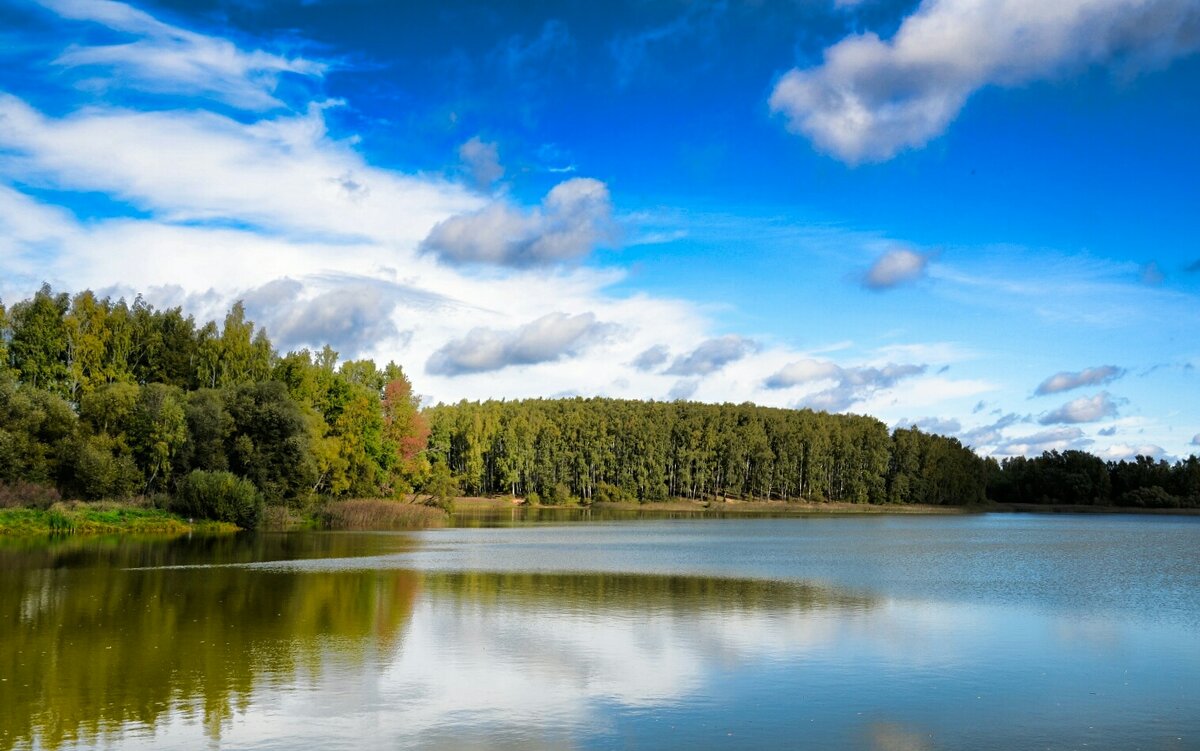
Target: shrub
533,499
1149,497
558,495
220,496
608,493
21,494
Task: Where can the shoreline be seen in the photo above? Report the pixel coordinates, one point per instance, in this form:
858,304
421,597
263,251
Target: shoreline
102,518
807,508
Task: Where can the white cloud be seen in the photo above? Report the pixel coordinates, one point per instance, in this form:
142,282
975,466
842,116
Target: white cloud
938,425
895,267
1125,451
1065,381
284,174
1083,409
1196,440
848,384
711,355
482,160
652,358
872,98
574,218
1057,439
168,59
552,337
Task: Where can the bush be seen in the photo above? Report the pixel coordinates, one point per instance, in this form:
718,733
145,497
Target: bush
21,494
533,499
220,496
1150,497
557,495
607,493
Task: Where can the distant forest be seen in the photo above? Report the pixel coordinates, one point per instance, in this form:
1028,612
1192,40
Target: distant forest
106,399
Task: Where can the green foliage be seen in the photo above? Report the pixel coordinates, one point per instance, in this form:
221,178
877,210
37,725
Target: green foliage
441,487
101,398
107,399
606,449
1078,478
220,496
100,467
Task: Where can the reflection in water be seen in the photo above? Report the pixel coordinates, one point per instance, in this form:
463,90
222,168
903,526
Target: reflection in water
139,644
88,650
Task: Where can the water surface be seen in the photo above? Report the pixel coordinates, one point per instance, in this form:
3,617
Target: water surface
988,632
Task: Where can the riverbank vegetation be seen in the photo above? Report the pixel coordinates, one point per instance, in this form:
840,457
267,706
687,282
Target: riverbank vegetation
104,400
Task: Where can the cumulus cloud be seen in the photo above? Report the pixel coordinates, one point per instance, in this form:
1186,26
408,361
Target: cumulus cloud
651,358
482,160
1108,432
1058,439
1066,381
1083,409
167,59
575,217
1125,451
894,268
804,371
850,385
351,314
552,337
711,355
871,98
1196,440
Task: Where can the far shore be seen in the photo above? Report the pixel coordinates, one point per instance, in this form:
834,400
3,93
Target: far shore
808,508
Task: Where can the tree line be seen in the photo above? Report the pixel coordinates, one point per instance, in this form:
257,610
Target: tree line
612,449
102,399
1079,478
105,399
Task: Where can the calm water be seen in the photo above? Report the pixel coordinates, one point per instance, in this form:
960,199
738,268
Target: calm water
894,633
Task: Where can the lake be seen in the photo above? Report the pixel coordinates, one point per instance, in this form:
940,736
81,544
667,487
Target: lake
898,633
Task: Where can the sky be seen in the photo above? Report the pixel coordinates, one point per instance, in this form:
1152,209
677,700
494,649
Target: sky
979,217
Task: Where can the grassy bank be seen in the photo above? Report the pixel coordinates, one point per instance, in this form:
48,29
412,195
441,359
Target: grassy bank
379,513
104,517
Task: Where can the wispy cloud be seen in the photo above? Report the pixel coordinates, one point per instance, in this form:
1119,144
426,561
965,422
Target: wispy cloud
633,51
1066,380
872,98
163,58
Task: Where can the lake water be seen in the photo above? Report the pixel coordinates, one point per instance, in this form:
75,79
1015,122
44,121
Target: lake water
897,633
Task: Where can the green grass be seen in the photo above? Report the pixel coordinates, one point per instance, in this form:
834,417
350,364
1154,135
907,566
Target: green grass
104,517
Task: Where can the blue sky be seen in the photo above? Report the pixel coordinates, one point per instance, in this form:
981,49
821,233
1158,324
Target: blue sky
979,217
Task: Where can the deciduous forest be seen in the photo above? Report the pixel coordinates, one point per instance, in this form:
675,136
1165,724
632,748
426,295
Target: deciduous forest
105,399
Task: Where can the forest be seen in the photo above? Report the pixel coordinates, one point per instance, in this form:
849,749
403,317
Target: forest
101,399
